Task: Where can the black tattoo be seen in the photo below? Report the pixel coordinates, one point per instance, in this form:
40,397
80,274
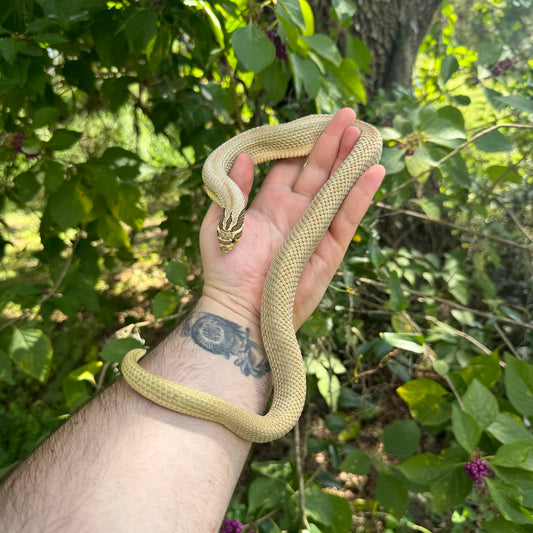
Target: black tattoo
223,337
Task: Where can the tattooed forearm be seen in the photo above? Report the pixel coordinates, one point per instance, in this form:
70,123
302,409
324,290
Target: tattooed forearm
223,337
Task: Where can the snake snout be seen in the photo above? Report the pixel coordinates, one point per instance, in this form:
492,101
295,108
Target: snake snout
227,239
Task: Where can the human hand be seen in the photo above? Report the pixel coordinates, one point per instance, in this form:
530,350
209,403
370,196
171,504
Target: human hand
236,279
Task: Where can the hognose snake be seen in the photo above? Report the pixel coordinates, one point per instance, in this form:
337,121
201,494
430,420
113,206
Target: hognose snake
265,143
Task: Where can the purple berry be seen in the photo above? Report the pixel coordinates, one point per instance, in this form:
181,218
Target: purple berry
281,52
231,526
477,470
271,34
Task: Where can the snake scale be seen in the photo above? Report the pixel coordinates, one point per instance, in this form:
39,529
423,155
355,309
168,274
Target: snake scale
265,143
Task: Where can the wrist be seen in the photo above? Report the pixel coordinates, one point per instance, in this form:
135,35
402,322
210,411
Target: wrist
232,306
218,351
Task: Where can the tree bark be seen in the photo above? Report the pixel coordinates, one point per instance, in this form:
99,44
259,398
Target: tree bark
393,31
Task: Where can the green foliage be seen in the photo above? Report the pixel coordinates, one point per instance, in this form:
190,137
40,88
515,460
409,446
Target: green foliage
107,112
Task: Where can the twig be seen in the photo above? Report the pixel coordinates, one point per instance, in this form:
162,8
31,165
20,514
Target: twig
101,377
299,470
455,151
464,229
450,303
502,334
459,333
381,363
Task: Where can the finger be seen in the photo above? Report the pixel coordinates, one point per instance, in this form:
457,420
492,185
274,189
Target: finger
325,153
355,205
329,253
242,173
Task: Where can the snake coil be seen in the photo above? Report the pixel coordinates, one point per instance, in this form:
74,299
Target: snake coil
265,143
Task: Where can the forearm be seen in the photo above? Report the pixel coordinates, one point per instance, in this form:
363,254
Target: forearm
124,463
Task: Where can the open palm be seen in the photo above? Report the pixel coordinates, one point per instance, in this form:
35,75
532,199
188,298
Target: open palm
236,279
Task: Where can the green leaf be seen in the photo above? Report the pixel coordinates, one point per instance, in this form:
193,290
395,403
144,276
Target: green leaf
465,429
348,74
503,173
508,500
489,52
392,494
329,387
519,102
430,206
79,73
405,341
317,326
519,384
515,454
507,429
426,468
485,368
110,230
426,402
276,469
254,50
481,404
165,303
46,116
450,490
27,185
140,29
393,159
63,140
494,141
458,171
74,385
177,273
69,204
306,75
397,300
31,350
518,477
265,494
449,66
377,257
401,438
324,47
159,48
129,207
275,81
356,462
294,11
8,49
416,166
6,368
358,52
115,350
116,91
327,509
500,525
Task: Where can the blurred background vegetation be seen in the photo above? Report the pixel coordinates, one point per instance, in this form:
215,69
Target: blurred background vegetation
107,112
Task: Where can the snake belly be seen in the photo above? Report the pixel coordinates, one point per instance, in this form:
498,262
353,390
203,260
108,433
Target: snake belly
265,143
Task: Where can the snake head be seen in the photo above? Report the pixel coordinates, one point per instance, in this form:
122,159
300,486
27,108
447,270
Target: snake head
227,240
229,232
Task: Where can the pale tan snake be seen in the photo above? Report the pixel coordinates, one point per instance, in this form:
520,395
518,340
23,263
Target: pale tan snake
266,143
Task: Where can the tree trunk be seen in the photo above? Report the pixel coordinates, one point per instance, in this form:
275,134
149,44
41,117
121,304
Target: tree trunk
393,31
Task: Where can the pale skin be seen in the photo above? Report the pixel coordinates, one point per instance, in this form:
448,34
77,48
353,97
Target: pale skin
124,463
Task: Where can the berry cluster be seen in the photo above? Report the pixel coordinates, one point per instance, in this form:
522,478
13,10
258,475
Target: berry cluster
502,66
477,470
281,49
231,526
15,141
